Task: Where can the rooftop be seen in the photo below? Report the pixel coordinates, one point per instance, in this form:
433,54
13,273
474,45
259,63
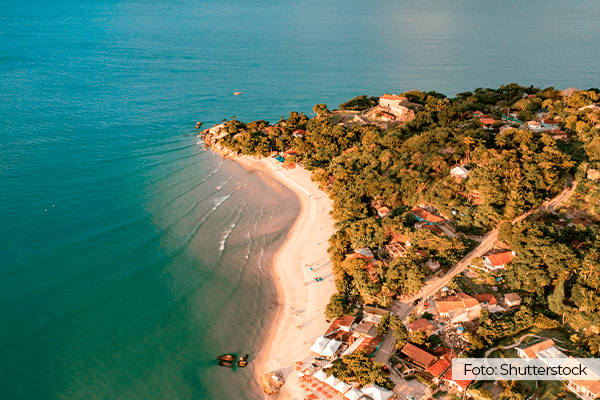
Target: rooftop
438,368
367,328
450,303
421,325
592,386
462,384
426,215
419,356
486,298
531,351
499,259
346,321
393,97
512,297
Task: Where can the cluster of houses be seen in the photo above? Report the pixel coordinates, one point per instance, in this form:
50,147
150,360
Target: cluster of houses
349,334
546,350
345,336
435,366
448,309
540,124
455,307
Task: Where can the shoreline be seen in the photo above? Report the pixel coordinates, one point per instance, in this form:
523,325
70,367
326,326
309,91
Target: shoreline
299,319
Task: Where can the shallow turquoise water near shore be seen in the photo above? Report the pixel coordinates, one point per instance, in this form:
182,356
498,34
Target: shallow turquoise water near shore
131,257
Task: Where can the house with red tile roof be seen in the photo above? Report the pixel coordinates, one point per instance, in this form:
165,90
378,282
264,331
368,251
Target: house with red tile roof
458,308
391,100
366,254
396,106
487,121
387,117
345,324
497,261
421,325
550,123
585,390
370,344
461,386
486,299
438,369
418,356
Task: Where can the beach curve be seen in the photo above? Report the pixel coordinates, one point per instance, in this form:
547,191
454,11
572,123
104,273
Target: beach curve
300,316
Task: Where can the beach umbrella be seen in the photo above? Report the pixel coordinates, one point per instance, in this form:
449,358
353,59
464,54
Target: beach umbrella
342,387
320,375
332,381
353,394
319,345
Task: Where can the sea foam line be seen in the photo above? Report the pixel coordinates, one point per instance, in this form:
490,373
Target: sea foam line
228,232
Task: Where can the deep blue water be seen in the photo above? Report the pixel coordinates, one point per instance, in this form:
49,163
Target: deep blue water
129,256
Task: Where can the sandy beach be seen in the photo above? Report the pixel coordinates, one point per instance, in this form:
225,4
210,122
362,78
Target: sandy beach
300,318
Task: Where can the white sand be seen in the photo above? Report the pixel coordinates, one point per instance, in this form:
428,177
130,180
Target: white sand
300,319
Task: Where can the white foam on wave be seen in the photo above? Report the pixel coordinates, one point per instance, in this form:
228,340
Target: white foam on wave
225,236
217,201
231,227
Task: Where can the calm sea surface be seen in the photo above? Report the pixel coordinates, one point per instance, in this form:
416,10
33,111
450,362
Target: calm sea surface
130,257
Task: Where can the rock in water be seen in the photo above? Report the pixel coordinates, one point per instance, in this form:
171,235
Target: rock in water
272,382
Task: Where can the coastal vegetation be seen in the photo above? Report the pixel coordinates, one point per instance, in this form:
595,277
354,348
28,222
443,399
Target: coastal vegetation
358,367
513,166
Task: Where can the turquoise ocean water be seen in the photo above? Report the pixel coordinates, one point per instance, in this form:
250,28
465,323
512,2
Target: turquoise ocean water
130,257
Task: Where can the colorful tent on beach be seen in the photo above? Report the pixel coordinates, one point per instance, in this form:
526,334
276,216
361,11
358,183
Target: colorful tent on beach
320,375
342,387
353,394
319,345
332,381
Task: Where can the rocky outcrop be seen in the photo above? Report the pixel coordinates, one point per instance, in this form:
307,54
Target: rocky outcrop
272,382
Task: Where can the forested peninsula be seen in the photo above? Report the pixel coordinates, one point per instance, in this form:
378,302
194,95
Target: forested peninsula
418,178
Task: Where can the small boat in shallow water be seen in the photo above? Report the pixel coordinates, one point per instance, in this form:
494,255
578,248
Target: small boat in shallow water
227,357
243,361
237,93
228,364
